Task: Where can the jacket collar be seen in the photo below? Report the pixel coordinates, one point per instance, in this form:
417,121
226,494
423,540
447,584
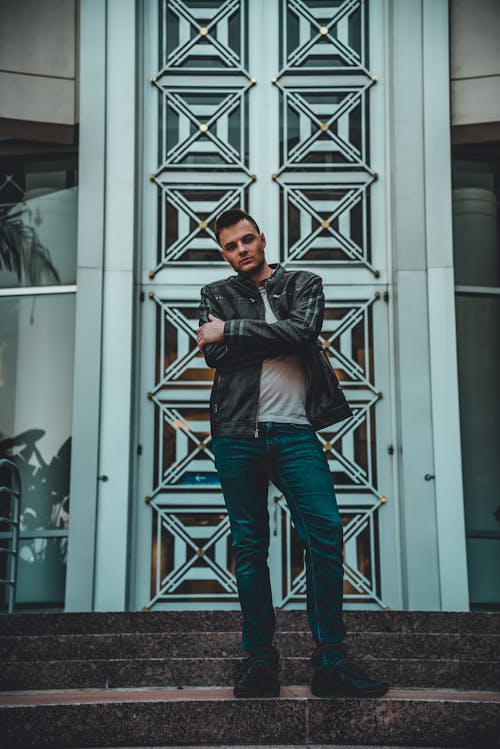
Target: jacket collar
269,282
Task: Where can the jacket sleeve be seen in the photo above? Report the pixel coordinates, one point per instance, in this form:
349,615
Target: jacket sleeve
219,354
288,336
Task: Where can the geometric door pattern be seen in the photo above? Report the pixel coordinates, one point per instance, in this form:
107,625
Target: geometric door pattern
324,174
205,89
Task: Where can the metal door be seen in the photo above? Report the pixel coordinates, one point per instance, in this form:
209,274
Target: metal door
274,106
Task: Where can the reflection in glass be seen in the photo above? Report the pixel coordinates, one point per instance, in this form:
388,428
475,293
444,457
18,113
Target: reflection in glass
37,229
36,390
41,571
478,333
475,237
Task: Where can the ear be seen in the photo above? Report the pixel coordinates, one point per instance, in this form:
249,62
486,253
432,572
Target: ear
263,238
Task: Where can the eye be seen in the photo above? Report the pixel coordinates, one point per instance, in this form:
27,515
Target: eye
248,239
230,247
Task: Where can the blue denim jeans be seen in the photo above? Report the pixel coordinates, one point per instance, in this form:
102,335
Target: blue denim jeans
300,470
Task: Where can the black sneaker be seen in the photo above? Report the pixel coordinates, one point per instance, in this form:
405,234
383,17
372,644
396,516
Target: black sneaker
345,680
260,679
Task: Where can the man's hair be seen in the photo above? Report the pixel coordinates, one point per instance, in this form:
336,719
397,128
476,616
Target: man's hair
228,218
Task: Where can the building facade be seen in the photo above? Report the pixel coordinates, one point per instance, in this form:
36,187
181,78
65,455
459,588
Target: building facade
330,123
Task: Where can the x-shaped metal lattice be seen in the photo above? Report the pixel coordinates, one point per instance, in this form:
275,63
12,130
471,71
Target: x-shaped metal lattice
324,213
325,111
355,314
362,520
196,206
327,29
200,114
192,453
9,181
188,355
357,476
203,36
192,543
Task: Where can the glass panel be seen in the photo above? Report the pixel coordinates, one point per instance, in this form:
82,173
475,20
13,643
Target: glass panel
483,554
478,332
475,237
476,187
41,572
36,393
38,222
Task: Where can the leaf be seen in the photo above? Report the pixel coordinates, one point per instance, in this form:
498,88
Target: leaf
22,252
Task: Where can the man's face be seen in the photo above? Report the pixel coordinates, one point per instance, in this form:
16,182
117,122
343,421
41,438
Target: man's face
243,247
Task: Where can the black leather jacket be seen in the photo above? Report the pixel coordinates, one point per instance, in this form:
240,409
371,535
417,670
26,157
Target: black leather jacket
297,300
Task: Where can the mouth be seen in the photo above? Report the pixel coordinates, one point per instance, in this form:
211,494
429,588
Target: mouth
246,260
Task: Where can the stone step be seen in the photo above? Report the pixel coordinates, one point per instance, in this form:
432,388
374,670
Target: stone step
205,621
220,644
202,672
282,746
203,716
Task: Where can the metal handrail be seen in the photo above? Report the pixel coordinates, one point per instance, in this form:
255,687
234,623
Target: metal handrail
13,520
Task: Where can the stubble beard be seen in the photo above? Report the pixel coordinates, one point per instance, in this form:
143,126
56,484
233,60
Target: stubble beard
254,271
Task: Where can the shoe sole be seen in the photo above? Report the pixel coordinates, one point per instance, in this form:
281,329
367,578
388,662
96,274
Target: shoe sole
375,693
268,693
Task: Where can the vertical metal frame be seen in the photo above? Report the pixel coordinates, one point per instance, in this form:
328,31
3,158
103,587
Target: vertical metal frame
441,299
381,226
414,444
428,447
88,334
99,522
148,104
112,532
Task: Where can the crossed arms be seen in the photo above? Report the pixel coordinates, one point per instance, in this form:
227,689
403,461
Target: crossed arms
235,343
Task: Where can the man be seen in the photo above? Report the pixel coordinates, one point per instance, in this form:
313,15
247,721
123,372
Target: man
259,330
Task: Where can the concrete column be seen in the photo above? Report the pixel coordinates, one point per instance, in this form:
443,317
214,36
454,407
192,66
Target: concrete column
112,535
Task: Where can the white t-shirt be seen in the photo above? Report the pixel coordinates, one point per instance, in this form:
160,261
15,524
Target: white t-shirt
283,387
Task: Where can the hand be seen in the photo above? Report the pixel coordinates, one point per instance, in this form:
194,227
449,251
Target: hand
211,332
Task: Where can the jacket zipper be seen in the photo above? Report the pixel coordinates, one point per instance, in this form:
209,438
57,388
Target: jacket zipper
256,433
216,404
